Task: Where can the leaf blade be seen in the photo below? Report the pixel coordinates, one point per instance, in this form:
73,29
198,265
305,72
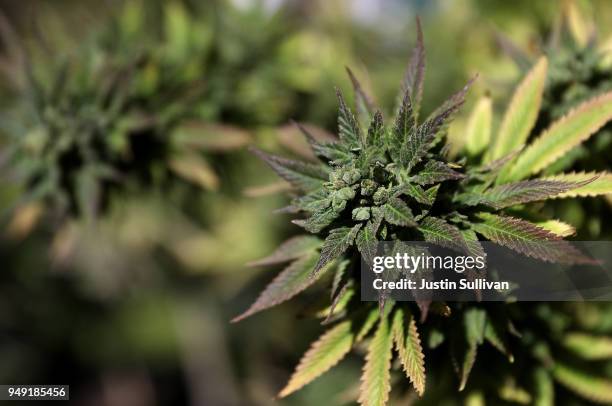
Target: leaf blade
322,355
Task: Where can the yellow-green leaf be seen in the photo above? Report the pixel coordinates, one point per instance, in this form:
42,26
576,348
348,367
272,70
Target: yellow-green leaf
410,350
522,112
563,135
557,227
478,131
323,354
588,346
590,387
544,388
602,185
375,380
579,26
194,168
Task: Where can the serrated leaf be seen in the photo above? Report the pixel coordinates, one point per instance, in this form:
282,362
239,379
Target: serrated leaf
376,376
365,105
589,387
497,340
366,241
557,227
293,248
338,241
369,322
323,354
376,129
435,172
414,191
419,141
441,116
397,212
522,112
291,281
588,347
475,321
412,85
527,238
410,350
438,231
348,127
511,194
319,220
333,151
302,175
601,183
404,141
469,359
563,135
478,131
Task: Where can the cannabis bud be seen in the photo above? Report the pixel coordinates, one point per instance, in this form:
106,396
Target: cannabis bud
394,180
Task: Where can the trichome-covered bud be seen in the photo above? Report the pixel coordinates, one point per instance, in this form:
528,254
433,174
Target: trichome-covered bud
381,195
361,213
368,187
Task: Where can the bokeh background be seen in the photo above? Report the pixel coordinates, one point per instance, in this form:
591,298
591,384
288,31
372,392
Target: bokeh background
134,307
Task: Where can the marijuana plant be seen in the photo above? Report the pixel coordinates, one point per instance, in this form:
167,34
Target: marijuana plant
579,70
111,120
394,181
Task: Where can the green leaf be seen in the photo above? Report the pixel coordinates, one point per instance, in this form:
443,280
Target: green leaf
545,389
600,184
414,191
589,387
292,280
497,339
521,114
410,350
366,240
204,136
474,323
563,135
333,151
323,354
438,231
397,212
365,105
318,221
376,130
405,144
367,325
338,241
527,238
588,346
293,248
412,85
434,172
376,376
302,175
348,127
557,227
511,194
469,359
478,131
194,168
